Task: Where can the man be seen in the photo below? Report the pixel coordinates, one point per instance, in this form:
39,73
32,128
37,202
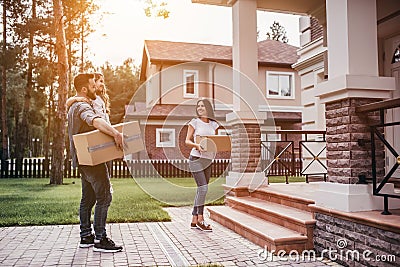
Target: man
96,187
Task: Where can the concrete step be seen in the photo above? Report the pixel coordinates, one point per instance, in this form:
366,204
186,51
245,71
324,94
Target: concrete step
259,231
273,195
291,218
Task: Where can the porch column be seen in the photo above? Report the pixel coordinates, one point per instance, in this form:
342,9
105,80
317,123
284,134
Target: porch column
247,97
353,80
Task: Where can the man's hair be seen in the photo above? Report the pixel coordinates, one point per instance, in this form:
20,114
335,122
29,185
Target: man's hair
82,80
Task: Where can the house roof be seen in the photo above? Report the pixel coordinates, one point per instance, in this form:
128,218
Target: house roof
178,51
269,51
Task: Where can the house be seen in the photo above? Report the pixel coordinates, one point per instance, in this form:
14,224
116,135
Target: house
349,85
177,74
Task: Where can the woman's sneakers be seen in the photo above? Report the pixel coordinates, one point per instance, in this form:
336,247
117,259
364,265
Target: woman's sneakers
193,225
203,226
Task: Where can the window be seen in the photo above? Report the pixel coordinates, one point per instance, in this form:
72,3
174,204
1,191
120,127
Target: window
190,83
165,137
280,84
396,55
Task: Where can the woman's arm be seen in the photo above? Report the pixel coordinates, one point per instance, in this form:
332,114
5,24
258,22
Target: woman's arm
189,138
74,99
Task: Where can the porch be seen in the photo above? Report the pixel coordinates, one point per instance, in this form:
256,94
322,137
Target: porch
285,217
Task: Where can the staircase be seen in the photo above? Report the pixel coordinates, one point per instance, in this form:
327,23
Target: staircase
267,218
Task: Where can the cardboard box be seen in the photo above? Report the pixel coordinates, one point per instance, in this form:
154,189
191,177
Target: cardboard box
214,143
95,147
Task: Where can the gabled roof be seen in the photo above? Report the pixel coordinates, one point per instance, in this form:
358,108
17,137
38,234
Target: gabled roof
269,51
184,52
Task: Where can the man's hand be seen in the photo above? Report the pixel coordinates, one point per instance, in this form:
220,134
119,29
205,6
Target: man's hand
106,128
119,141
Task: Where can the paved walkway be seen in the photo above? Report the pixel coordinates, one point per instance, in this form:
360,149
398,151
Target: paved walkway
145,244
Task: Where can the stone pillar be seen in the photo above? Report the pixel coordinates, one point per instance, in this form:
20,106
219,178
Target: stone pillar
348,141
246,149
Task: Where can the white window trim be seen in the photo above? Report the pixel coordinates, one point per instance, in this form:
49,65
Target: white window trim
291,74
196,83
165,144
224,131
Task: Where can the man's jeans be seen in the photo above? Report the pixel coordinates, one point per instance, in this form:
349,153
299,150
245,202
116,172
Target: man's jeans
95,190
201,171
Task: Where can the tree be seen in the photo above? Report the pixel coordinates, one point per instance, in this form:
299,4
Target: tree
277,33
57,163
29,87
156,9
122,82
4,129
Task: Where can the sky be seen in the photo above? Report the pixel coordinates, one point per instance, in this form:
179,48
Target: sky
122,32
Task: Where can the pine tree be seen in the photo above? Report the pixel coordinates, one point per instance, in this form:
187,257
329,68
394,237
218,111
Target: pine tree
277,32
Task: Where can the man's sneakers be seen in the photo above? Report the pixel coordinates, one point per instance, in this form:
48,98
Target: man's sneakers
203,226
106,245
87,241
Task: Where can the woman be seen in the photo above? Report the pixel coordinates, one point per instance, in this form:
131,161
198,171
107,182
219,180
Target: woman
102,101
200,160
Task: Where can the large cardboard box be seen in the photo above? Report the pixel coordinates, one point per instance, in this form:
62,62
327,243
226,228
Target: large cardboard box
214,143
95,147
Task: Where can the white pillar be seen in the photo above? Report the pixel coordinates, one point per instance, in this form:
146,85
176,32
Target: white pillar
245,57
353,52
352,37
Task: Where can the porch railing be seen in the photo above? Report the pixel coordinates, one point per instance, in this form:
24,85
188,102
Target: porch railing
296,153
377,134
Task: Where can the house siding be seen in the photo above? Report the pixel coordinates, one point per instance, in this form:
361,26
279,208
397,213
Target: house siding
317,30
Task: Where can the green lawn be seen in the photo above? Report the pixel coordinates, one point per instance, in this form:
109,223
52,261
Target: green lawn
35,202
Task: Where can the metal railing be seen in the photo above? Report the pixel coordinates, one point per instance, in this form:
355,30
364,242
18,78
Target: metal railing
377,134
297,153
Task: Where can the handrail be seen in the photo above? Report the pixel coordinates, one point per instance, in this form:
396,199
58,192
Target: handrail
376,134
385,104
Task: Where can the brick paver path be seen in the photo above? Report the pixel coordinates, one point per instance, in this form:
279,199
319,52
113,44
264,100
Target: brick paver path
145,244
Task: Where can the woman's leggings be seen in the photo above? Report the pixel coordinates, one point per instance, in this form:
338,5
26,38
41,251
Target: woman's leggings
201,171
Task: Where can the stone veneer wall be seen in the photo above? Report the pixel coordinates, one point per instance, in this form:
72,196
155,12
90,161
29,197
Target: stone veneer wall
331,231
246,148
347,159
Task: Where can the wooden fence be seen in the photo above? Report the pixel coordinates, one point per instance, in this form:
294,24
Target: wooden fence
40,168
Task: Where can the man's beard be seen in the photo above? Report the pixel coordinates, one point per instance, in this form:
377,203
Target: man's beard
91,95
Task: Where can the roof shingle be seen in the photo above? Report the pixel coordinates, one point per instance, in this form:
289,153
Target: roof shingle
269,51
